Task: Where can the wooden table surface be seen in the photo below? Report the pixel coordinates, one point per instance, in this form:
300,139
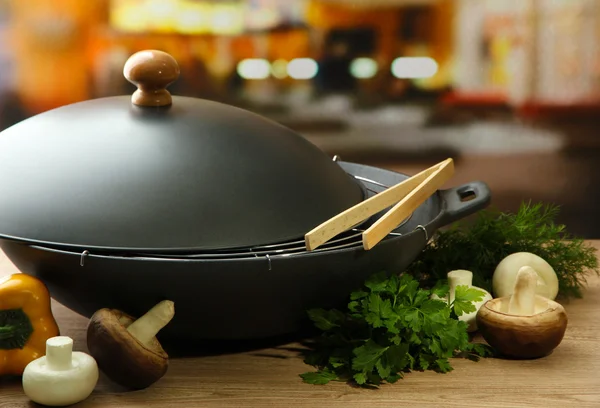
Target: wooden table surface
569,377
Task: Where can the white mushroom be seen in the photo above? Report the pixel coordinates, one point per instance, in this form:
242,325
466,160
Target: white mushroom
505,275
61,377
461,277
523,324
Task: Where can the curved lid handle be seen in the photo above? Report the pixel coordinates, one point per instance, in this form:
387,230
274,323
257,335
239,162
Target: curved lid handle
151,71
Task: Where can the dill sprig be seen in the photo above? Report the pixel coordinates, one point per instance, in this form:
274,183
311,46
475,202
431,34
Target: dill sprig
494,235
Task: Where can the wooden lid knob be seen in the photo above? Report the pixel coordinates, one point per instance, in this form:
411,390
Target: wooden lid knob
151,71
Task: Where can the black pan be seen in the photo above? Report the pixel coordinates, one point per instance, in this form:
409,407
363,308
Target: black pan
198,175
251,295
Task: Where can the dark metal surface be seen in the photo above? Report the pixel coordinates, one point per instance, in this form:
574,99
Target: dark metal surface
248,298
198,175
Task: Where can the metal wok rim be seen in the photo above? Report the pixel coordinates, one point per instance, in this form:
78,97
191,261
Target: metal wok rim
85,255
224,254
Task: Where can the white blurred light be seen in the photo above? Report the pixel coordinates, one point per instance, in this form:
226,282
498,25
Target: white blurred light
414,67
279,68
254,68
364,68
303,68
227,19
161,7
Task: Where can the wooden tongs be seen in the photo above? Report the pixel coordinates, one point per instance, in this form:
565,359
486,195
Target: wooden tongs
407,197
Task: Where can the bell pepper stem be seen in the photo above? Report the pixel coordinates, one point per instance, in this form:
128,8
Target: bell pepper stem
147,327
15,329
7,332
59,353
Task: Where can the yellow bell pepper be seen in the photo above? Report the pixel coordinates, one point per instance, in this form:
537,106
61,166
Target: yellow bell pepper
26,322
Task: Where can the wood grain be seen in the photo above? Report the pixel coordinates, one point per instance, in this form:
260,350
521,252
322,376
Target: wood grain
151,71
365,209
269,377
401,211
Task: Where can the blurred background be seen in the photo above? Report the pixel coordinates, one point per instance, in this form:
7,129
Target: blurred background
509,88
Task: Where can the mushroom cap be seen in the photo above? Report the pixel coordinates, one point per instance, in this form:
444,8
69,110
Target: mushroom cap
122,357
49,387
522,337
504,277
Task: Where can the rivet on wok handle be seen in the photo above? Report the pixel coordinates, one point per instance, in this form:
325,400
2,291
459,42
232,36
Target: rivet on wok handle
151,71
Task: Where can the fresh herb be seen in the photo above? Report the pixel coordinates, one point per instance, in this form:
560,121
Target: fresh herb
494,235
391,327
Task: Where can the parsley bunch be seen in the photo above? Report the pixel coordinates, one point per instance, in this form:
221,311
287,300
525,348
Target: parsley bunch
493,235
391,327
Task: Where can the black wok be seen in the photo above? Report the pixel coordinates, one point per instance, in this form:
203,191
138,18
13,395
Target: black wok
228,295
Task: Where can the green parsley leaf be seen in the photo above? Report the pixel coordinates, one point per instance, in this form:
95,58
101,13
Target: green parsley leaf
360,378
354,306
318,377
421,296
367,356
464,298
393,284
424,361
336,362
393,378
476,350
359,294
326,319
468,294
441,289
443,365
396,356
391,326
379,310
377,283
383,368
412,318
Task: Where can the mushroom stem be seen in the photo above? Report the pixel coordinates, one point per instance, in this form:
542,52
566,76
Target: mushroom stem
59,353
456,278
146,327
522,301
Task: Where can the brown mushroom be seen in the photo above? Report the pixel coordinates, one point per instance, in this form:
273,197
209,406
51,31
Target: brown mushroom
523,325
127,350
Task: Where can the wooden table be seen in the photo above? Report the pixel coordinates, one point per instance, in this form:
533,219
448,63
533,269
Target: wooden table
570,377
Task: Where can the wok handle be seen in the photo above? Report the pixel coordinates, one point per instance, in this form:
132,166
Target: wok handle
464,200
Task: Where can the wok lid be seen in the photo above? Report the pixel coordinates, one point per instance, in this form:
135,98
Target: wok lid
161,173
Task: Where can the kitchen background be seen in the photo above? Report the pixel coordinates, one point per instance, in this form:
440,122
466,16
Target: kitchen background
509,88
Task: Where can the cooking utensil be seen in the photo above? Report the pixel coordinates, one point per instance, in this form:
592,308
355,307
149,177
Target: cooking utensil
250,293
362,211
126,201
407,205
113,176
